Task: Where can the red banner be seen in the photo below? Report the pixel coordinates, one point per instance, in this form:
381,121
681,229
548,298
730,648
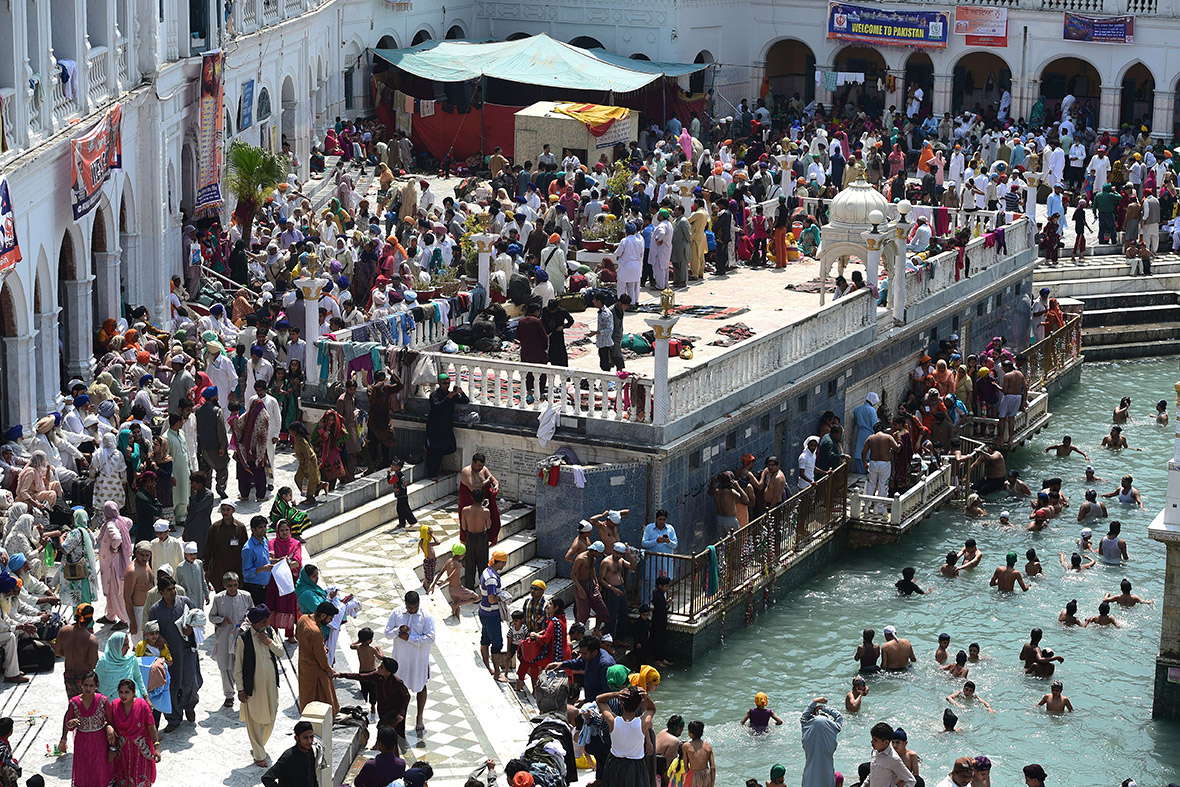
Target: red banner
9,248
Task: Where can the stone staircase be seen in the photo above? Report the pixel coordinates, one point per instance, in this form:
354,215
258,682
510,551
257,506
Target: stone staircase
1125,316
518,537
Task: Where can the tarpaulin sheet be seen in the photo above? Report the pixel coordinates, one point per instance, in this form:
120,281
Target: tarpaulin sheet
445,129
537,60
597,118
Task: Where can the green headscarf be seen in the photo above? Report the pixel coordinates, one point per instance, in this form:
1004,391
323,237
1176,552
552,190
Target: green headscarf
114,665
124,441
308,595
617,677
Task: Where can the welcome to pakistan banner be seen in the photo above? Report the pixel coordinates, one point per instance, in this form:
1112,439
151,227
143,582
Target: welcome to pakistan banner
95,154
210,133
884,27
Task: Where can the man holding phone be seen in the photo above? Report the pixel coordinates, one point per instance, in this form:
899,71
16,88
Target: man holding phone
412,632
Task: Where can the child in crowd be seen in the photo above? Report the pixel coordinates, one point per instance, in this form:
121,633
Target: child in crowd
397,479
367,656
760,715
517,633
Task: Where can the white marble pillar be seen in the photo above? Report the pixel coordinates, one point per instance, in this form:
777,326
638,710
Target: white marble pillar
661,401
897,280
45,362
897,96
941,100
20,397
872,240
1030,195
79,338
1166,529
319,714
484,247
1162,112
107,284
129,243
312,289
1109,106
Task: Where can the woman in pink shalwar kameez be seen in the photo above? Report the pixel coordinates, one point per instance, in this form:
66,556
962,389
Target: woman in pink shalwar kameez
115,553
88,715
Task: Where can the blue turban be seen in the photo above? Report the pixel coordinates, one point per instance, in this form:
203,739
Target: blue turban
81,401
144,380
256,350
14,433
210,392
343,282
107,408
7,582
542,275
216,308
16,562
282,325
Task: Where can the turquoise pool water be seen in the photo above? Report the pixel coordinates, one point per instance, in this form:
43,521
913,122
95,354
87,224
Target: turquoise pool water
805,646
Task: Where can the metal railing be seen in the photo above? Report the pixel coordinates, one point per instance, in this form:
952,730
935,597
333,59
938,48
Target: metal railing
701,583
1048,357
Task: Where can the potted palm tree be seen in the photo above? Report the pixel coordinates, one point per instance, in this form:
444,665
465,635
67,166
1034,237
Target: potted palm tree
254,173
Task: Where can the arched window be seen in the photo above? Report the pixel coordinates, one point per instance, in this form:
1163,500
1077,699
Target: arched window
263,111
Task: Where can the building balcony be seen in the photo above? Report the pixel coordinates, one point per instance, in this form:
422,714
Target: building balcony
250,16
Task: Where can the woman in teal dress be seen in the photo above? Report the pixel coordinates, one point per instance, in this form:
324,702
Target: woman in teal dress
308,593
286,390
809,239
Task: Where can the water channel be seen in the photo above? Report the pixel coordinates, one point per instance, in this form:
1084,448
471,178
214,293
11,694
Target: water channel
804,647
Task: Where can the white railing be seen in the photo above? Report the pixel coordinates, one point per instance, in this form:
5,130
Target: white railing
491,382
97,75
757,359
172,40
1029,418
1090,6
35,96
293,7
124,75
63,105
942,271
272,11
894,511
7,112
248,15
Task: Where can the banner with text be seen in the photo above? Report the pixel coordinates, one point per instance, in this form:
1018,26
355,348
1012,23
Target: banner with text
1100,29
246,119
95,154
209,134
982,26
880,26
9,248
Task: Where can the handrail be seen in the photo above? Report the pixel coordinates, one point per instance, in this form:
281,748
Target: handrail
1053,353
767,543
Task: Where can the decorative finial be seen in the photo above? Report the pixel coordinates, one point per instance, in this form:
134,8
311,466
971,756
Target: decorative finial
668,302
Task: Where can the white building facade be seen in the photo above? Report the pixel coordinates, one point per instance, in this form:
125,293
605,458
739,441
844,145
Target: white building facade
306,59
787,41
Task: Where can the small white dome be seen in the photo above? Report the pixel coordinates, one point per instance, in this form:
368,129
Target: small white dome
852,205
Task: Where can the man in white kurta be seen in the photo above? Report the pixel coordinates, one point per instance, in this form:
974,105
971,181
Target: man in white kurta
661,249
227,613
412,632
257,679
221,372
181,468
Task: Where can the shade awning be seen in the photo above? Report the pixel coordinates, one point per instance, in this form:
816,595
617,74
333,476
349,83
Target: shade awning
537,60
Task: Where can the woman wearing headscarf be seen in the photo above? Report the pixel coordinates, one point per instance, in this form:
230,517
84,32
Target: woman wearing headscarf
37,486
896,161
109,470
251,431
944,378
329,440
144,398
79,585
115,553
241,307
284,610
116,663
807,461
130,449
1054,317
239,263
24,537
308,593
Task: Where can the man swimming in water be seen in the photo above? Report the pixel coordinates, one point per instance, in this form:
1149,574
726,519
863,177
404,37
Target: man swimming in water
969,695
1032,649
940,653
970,554
1115,440
1103,617
1055,701
1015,486
1161,412
959,669
1090,478
1065,448
1126,493
1040,519
1069,616
1112,549
1085,541
1006,519
994,472
1075,562
906,585
950,568
1126,598
949,721
1006,578
1043,665
897,653
1033,567
973,652
1091,507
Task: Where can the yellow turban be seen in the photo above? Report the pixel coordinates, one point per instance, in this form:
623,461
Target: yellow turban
647,678
761,700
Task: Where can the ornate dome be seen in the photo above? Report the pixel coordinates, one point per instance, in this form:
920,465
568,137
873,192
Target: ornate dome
851,206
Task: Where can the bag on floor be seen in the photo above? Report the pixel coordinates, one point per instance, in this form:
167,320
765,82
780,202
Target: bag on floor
552,691
34,655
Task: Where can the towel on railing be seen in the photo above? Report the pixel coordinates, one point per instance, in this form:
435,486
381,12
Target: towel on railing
69,78
713,580
961,264
942,221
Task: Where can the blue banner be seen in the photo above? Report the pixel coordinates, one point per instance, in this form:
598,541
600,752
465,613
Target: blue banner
1100,29
882,27
247,118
